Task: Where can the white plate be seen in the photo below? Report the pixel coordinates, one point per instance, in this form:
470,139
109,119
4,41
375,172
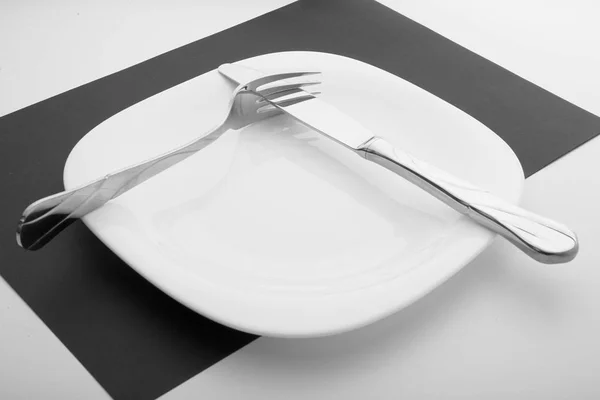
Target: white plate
277,231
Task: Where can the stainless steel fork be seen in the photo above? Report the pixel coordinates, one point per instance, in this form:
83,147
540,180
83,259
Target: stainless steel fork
47,217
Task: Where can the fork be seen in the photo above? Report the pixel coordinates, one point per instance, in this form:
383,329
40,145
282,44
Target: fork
46,218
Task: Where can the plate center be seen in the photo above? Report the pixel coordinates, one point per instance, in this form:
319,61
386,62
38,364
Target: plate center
293,211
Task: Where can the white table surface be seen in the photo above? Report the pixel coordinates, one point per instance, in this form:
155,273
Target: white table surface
504,327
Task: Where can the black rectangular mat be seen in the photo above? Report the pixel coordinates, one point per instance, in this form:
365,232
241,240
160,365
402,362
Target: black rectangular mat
136,341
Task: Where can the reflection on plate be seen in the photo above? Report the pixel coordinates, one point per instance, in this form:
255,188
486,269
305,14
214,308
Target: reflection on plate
278,231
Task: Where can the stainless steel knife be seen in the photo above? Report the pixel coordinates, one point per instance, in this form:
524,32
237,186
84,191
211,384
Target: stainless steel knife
542,239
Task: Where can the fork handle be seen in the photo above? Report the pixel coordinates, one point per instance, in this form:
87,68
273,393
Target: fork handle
46,218
541,238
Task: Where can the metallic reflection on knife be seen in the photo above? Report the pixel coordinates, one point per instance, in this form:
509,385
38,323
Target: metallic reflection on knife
541,238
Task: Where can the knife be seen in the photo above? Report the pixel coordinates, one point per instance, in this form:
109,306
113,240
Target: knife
542,239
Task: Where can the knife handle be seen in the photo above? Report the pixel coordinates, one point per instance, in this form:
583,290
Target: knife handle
542,239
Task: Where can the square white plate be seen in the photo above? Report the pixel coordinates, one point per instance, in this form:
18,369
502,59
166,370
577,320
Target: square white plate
278,231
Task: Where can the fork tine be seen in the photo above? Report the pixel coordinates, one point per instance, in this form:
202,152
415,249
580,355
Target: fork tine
287,101
278,91
291,98
278,95
257,83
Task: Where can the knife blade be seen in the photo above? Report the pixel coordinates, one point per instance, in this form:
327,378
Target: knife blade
543,239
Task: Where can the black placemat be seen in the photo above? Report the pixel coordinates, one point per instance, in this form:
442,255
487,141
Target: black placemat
136,341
